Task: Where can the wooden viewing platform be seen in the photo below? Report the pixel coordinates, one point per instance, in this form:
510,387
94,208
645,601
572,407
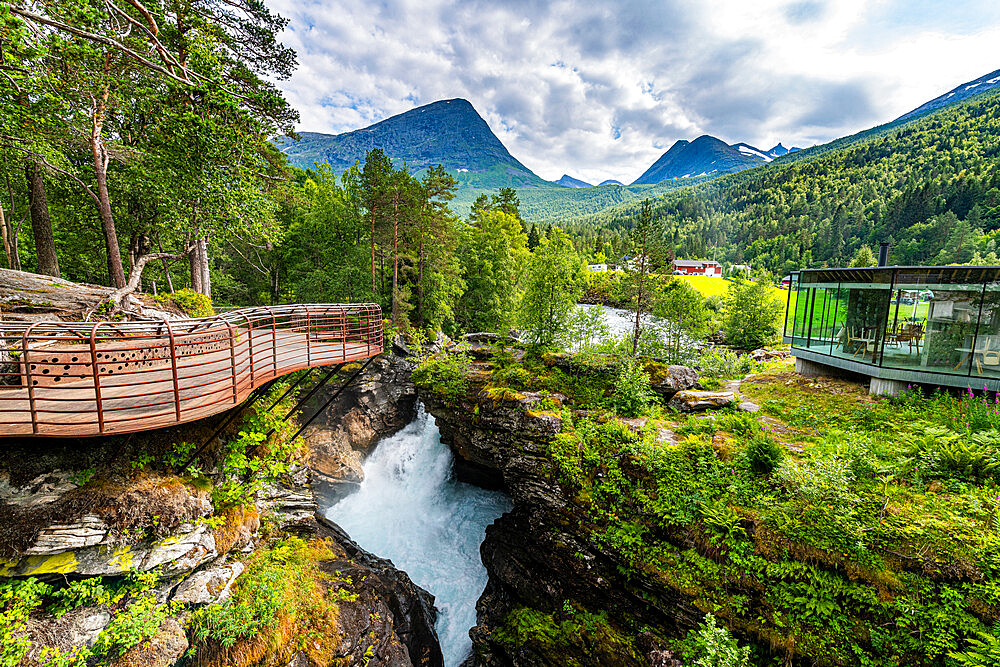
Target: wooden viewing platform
73,379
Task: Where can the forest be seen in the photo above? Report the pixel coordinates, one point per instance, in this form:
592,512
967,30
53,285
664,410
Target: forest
929,186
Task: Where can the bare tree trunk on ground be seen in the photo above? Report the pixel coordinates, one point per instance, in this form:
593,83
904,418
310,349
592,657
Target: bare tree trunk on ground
41,224
135,277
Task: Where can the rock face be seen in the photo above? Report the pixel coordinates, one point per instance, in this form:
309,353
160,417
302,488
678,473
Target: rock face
387,608
695,401
677,378
377,404
536,555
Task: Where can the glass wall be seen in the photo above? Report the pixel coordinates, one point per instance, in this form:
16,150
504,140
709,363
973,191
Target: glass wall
927,319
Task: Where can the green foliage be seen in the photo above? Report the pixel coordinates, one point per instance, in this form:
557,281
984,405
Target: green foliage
278,601
632,393
725,364
445,374
763,454
926,184
864,257
136,616
493,250
553,283
713,646
751,314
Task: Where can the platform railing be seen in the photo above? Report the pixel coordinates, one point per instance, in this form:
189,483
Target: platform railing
79,378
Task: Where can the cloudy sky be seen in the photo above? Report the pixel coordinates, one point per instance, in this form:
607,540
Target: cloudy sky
600,89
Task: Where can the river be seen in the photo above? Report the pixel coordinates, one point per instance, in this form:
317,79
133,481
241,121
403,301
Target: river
411,510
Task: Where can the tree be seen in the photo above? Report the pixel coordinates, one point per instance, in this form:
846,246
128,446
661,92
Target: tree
686,312
375,182
751,314
41,223
533,238
553,283
492,250
646,240
864,257
439,282
122,72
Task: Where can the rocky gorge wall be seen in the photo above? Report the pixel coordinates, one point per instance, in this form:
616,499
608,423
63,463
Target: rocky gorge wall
540,560
97,515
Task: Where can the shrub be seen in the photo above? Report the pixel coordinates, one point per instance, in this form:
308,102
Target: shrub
751,314
191,302
632,389
726,364
446,375
763,454
715,647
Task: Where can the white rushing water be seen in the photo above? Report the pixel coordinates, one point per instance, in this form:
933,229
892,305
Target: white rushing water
411,510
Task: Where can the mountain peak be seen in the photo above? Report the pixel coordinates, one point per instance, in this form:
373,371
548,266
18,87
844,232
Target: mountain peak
957,94
701,157
570,182
446,132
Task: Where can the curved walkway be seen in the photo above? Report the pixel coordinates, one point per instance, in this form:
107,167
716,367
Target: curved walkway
69,379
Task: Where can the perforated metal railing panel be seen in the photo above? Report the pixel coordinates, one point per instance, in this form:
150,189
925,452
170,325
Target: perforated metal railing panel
71,379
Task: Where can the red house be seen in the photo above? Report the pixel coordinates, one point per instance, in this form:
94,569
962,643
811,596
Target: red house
696,267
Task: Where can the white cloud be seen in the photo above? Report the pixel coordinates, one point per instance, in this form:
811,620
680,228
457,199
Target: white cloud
601,90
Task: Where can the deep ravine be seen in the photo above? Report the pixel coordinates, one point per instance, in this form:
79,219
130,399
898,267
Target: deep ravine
411,510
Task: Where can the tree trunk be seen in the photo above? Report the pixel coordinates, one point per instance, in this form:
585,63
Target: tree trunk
638,306
6,239
41,224
166,267
195,265
13,230
206,278
101,158
395,256
420,286
373,251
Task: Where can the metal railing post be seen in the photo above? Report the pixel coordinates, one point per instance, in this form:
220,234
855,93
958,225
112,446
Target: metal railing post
232,358
97,377
27,377
173,370
250,346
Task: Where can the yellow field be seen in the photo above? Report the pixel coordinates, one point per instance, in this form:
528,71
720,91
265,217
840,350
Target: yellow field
713,286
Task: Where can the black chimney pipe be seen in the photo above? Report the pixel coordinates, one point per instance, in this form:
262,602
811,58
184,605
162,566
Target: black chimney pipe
883,253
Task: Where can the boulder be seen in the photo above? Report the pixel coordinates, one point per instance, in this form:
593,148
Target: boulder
211,586
386,619
399,346
677,378
79,627
748,406
377,404
695,401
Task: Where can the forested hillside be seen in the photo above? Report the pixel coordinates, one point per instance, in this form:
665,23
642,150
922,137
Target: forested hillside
929,186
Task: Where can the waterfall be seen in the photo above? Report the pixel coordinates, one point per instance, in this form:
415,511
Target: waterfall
411,510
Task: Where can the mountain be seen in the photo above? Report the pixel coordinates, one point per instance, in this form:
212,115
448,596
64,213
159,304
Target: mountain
957,94
568,181
705,155
780,150
611,181
448,132
750,151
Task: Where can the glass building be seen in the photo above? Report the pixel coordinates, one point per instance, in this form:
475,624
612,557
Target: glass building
936,325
